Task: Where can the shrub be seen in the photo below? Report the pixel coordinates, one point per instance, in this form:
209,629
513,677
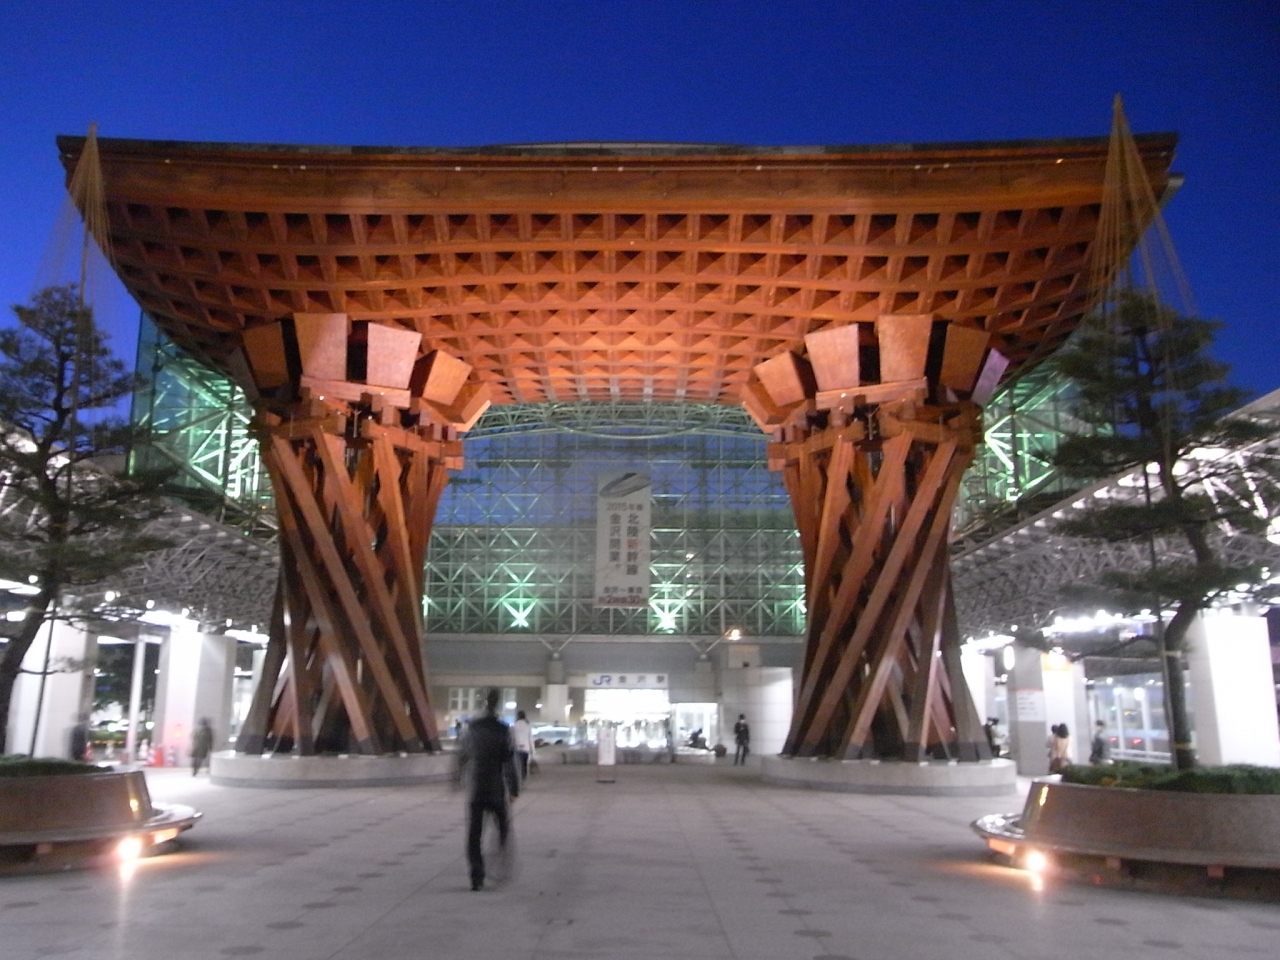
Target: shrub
16,765
1233,778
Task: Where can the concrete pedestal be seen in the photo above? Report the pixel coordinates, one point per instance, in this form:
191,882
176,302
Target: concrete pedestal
238,770
988,778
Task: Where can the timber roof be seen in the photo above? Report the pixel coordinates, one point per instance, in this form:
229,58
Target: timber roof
624,272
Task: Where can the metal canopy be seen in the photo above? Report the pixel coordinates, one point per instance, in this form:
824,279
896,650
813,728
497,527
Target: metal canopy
1017,577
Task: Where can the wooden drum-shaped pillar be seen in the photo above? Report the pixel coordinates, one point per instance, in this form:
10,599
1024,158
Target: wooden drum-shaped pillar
358,432
873,428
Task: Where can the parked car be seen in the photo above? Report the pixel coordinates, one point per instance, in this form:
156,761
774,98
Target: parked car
548,734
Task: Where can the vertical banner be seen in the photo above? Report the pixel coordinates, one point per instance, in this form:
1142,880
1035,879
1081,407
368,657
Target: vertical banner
622,540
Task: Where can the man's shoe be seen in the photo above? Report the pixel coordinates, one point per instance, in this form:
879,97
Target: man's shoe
477,884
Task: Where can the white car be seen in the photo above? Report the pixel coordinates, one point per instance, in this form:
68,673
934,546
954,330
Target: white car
546,734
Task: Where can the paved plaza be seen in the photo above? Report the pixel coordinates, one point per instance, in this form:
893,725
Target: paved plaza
694,861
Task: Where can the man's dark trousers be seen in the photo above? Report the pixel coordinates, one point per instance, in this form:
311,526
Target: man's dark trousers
475,826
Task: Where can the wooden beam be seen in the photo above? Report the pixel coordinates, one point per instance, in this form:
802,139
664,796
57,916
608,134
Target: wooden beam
971,739
293,491
390,482
904,345
924,689
252,735
937,493
298,695
359,541
883,492
884,588
836,356
835,501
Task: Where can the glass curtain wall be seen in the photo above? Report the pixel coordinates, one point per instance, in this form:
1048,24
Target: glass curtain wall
197,421
1013,477
513,548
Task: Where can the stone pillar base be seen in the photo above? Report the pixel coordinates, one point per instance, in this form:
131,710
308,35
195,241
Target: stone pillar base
241,770
986,778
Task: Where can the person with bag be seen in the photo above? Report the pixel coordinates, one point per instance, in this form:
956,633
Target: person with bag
486,763
522,735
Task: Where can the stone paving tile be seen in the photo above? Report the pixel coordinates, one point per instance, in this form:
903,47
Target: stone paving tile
668,862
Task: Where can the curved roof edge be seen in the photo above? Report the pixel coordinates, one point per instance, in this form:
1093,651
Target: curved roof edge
73,145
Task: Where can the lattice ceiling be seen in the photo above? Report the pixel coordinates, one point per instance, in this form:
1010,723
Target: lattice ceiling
609,273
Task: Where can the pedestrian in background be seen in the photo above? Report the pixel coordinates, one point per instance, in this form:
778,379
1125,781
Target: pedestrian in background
742,740
1059,748
201,745
991,729
1100,751
522,736
80,742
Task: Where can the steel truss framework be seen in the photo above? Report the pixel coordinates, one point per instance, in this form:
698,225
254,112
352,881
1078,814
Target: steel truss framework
198,421
1013,476
514,542
1018,577
217,574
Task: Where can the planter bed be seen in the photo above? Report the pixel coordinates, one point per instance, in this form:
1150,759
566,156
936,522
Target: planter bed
62,820
1119,832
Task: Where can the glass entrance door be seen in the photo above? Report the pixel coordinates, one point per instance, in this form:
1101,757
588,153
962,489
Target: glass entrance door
641,715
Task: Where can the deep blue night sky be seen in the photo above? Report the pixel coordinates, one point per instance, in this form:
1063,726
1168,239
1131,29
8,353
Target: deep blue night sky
464,73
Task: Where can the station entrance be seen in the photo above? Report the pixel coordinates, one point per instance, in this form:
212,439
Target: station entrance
648,718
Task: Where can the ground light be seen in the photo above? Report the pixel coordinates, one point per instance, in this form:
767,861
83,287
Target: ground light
1036,863
137,845
130,848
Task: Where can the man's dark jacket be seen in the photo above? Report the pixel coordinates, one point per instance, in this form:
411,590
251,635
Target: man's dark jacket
488,759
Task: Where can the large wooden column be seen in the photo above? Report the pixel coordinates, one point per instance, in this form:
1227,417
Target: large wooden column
873,428
358,433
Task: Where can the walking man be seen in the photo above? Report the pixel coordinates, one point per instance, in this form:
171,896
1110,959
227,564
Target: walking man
486,761
742,739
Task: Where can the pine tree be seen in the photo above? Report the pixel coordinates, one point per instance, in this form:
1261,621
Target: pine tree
74,518
1159,404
